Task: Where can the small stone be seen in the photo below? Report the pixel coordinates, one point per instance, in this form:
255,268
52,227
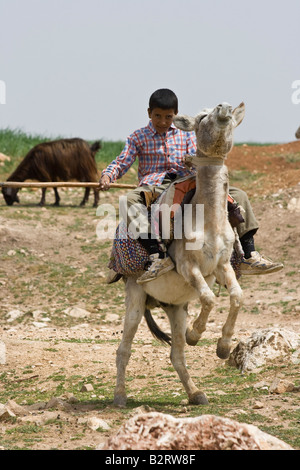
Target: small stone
39,324
5,413
87,388
95,423
41,405
280,386
184,402
18,410
261,385
294,204
42,418
59,404
11,253
77,312
14,314
258,405
71,398
82,420
112,318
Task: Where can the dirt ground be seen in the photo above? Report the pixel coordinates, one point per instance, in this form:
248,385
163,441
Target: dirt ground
53,352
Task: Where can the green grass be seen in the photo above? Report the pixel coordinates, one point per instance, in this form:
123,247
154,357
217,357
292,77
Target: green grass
109,151
292,157
17,144
243,176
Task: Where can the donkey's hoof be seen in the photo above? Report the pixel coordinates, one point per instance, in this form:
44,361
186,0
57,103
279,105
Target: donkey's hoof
120,401
223,349
191,337
198,398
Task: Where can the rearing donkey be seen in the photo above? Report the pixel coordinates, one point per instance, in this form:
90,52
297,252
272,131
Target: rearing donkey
196,269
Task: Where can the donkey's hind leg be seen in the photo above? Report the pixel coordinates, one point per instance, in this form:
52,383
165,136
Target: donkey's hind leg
177,315
135,308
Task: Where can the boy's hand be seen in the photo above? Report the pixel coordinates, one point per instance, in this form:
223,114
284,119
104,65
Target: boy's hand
104,183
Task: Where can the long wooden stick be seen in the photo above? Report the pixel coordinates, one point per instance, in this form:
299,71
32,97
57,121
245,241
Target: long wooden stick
61,184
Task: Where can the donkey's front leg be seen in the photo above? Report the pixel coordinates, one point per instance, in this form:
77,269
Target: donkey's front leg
135,308
207,299
226,276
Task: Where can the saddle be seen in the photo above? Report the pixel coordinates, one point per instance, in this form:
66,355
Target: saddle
129,257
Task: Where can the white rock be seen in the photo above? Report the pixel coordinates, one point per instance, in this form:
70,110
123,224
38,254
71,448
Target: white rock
264,345
112,317
77,312
288,298
14,314
5,413
294,205
58,403
18,410
42,418
87,388
2,352
205,432
11,253
39,324
38,314
280,386
95,423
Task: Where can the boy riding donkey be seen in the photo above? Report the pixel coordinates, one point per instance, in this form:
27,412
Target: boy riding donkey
161,149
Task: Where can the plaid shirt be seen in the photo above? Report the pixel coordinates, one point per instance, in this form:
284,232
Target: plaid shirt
158,155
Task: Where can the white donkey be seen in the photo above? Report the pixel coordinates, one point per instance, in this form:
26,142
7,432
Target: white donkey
196,269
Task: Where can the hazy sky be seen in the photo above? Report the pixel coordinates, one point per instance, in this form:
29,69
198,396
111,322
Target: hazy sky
86,68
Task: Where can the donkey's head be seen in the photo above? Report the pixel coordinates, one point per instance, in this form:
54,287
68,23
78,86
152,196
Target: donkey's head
213,128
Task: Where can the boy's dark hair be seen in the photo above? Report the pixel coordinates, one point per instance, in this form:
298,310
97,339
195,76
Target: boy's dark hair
164,99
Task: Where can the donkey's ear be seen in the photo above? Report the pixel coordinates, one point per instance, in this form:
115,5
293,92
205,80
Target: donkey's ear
238,114
185,123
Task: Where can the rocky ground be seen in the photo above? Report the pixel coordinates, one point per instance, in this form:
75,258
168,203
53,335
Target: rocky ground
60,324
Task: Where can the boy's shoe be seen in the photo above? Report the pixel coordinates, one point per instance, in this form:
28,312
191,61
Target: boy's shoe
157,267
259,264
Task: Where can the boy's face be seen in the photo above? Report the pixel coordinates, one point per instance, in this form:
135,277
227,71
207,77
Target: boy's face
161,119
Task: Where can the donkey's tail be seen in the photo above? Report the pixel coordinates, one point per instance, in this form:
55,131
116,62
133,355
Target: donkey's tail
155,330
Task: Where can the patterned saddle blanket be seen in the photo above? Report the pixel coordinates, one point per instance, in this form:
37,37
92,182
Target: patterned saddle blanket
128,256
